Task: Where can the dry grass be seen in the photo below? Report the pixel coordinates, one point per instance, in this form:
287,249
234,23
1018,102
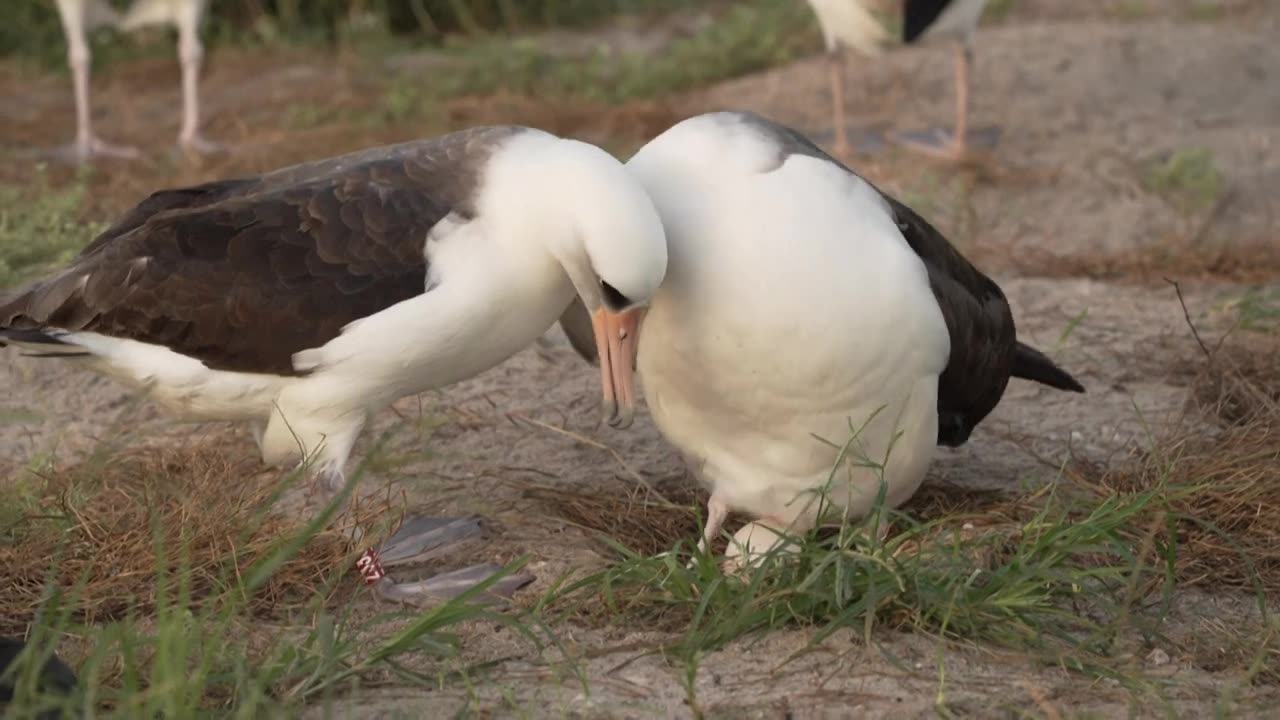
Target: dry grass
637,520
1220,488
1243,261
98,528
1228,517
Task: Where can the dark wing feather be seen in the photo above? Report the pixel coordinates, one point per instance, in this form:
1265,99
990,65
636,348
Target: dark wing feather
984,347
576,324
54,677
983,339
243,273
918,15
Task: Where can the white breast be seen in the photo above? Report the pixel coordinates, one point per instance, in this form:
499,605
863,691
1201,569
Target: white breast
792,308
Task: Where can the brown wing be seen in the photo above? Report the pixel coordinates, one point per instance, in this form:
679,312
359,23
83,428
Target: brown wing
241,274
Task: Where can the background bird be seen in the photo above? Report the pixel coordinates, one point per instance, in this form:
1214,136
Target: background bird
954,21
81,16
846,24
852,24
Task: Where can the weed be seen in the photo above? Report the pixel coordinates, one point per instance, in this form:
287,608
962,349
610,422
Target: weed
1187,177
40,227
998,10
1258,309
184,595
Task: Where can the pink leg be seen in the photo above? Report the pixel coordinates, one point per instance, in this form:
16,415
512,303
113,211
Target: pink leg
190,55
835,67
717,512
86,144
956,146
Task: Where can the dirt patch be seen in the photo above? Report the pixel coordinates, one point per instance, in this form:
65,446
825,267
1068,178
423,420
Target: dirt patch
1087,109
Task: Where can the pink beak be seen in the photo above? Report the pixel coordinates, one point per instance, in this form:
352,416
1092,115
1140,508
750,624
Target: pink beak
616,335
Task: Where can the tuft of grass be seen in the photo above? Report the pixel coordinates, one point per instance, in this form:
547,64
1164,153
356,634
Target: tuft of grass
1078,574
40,226
1132,9
998,10
1205,10
751,35
1022,580
1258,309
1187,177
175,592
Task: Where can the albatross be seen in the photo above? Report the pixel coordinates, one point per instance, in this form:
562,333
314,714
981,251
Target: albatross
80,16
851,24
804,309
306,299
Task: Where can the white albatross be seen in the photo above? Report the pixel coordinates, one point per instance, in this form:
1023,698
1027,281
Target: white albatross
80,16
306,299
801,302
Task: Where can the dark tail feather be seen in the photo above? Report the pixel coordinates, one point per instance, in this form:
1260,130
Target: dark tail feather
30,339
1031,364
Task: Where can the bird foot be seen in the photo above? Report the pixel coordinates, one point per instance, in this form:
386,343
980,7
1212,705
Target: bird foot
84,151
324,486
200,145
754,541
422,538
945,145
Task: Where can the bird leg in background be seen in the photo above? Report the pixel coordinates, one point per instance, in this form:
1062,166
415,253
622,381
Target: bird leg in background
954,146
959,138
835,68
86,144
190,54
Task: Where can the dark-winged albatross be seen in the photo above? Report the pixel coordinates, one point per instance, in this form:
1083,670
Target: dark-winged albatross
955,20
54,676
81,16
306,299
800,301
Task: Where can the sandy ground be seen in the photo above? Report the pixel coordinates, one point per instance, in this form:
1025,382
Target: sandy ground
1058,215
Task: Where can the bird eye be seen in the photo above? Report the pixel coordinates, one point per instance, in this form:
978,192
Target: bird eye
612,298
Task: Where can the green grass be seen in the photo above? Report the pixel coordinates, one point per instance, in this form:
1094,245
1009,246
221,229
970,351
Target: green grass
998,10
195,655
1258,309
751,35
929,578
32,29
1071,579
40,227
1189,178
